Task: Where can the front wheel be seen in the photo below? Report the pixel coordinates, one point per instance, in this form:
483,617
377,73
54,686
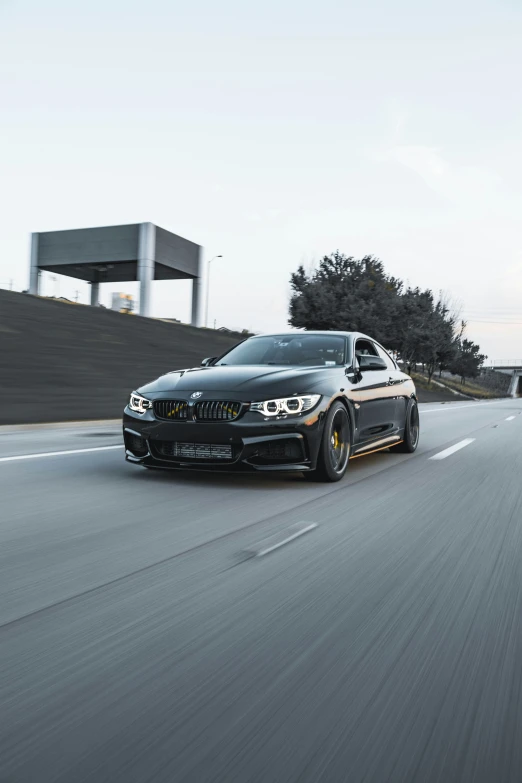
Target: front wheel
334,451
411,430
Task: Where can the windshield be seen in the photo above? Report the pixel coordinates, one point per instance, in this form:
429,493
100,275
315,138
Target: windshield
293,350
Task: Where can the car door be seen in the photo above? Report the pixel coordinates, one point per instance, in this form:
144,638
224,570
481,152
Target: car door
374,398
396,381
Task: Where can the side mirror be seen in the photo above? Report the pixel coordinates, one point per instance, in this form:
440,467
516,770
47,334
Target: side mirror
371,363
207,362
353,372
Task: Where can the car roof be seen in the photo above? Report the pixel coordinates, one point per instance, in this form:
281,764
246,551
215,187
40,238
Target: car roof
314,332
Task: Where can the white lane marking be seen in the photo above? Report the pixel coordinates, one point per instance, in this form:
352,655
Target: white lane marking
451,407
453,449
59,453
274,542
510,418
58,425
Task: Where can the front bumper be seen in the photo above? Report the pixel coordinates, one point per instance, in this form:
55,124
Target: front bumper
251,443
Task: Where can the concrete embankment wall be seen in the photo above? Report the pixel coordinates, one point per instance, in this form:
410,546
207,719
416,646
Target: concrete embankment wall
67,362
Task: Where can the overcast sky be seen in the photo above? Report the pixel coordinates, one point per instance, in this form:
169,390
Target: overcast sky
273,133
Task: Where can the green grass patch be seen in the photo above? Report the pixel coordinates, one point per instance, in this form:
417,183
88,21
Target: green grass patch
422,382
473,389
469,388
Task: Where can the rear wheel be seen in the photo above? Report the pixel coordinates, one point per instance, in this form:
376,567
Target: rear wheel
411,430
334,451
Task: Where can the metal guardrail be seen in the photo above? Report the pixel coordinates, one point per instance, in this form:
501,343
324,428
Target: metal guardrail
504,363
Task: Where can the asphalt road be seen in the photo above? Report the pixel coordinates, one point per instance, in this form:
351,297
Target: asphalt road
139,643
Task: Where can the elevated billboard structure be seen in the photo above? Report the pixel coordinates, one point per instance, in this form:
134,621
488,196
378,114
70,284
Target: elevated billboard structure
139,252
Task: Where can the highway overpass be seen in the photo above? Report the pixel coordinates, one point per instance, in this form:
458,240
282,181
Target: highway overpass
511,367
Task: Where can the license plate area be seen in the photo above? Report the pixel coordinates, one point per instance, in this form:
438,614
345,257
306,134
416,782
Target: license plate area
199,452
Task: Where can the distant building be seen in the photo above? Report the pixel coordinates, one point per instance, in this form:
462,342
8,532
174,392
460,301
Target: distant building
243,332
122,303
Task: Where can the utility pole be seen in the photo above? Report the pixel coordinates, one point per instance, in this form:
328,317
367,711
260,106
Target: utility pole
208,287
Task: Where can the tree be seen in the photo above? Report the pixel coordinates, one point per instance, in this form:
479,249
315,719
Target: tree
453,309
449,351
468,361
413,330
347,294
438,342
423,330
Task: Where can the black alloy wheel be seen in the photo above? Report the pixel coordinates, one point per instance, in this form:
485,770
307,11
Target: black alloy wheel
334,451
411,430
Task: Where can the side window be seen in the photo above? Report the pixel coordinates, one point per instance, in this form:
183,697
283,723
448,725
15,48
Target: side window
365,348
387,358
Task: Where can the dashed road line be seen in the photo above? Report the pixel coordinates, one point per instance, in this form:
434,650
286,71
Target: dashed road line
279,539
453,407
510,418
452,449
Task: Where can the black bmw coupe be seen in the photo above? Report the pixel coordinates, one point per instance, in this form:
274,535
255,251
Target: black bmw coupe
303,401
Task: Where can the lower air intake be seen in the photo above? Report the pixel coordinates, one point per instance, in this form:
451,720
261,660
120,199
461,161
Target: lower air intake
278,451
135,444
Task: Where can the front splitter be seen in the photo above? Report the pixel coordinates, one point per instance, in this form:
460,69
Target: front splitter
237,467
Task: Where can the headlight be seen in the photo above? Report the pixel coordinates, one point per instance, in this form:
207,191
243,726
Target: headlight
286,405
138,403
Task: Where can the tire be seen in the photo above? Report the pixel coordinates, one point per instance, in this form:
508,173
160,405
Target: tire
335,448
411,430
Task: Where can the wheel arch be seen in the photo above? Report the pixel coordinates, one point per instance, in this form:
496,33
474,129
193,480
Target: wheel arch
349,408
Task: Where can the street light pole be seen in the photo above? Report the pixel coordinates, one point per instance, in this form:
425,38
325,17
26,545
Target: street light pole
208,287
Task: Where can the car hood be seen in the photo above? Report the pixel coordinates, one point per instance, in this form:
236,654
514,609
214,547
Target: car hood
254,382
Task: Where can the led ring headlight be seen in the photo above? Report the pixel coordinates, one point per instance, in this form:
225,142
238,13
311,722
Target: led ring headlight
286,405
139,404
